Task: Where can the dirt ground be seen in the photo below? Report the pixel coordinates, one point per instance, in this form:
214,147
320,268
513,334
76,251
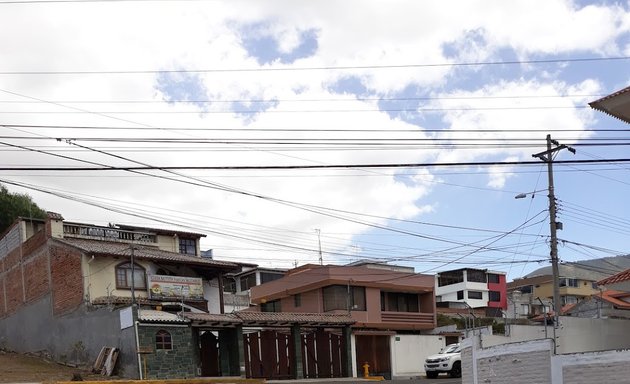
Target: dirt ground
17,368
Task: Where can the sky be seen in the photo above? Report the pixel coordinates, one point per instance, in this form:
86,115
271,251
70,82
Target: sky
291,132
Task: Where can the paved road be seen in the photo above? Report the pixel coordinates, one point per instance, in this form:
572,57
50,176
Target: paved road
442,379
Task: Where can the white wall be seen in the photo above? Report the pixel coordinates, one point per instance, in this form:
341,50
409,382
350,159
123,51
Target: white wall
534,362
410,351
574,334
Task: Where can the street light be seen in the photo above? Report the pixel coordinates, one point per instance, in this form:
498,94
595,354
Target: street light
524,194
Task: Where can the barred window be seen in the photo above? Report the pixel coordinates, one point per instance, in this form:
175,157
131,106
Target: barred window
163,340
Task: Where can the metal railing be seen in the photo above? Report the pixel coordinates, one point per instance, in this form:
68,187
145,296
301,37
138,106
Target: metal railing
108,233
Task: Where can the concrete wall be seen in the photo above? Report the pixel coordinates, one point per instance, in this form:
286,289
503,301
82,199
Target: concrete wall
573,335
76,337
534,362
408,353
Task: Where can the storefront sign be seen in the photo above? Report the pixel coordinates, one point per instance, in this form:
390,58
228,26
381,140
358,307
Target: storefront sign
176,287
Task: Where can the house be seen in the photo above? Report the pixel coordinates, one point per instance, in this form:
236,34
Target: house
531,295
71,289
606,304
382,300
471,288
237,285
616,104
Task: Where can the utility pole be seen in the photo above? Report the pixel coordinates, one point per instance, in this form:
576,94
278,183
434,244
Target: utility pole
547,157
319,241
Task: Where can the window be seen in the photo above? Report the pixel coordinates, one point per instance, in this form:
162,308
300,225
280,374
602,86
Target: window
475,295
525,309
526,289
568,282
569,300
297,300
163,340
338,297
123,276
451,277
475,276
494,296
594,285
229,285
493,278
248,281
266,277
460,295
188,246
271,306
399,302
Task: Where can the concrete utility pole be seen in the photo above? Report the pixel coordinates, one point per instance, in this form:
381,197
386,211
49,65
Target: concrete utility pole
547,157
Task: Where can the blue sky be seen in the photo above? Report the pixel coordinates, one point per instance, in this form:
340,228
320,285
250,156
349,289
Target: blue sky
296,83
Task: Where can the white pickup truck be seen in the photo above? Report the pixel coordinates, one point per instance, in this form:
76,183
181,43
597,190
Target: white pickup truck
448,360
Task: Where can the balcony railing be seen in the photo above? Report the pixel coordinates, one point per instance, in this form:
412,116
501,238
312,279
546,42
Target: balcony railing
107,233
407,317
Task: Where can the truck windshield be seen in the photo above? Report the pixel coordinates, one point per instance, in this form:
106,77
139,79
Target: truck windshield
450,349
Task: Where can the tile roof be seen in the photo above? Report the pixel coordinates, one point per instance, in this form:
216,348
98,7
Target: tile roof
294,318
250,318
142,252
618,278
619,108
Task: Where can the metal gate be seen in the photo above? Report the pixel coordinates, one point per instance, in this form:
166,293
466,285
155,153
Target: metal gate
269,354
374,350
323,355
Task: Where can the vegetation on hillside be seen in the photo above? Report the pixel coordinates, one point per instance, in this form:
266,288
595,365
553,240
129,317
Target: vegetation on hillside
14,205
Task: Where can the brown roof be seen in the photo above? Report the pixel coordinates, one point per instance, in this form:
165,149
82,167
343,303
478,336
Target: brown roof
284,319
142,252
618,278
311,277
616,104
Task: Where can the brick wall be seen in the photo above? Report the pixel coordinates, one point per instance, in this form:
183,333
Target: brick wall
36,279
14,289
66,279
3,308
179,362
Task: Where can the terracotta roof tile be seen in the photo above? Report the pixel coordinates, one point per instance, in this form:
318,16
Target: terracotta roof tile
142,252
160,316
618,278
294,318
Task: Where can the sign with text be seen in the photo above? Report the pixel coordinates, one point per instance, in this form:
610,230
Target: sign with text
175,287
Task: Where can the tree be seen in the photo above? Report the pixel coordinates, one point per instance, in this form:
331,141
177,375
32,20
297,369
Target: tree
14,205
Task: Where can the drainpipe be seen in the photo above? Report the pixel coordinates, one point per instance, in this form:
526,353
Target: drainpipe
135,325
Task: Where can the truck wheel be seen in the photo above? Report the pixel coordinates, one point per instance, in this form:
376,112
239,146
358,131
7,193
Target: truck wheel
432,375
456,371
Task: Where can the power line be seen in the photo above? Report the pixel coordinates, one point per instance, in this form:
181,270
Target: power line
321,68
280,167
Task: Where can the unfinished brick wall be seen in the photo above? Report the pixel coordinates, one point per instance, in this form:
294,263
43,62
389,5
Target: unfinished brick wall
3,308
14,289
66,278
36,279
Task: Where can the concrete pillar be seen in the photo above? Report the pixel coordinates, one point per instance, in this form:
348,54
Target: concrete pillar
238,369
296,339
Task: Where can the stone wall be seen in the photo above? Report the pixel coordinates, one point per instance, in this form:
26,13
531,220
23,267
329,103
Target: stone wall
178,362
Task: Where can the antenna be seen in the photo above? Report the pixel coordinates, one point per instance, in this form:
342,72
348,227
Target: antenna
319,242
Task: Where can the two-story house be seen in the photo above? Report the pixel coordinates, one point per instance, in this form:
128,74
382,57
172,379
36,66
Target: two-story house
382,300
237,286
67,288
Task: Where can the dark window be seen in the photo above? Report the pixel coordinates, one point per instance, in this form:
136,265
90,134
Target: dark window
163,340
248,281
451,277
266,277
399,302
188,246
493,278
526,289
123,276
271,306
568,282
340,297
229,285
460,295
475,276
297,300
475,295
594,285
494,296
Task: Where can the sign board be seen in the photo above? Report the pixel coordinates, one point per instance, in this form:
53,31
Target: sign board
126,318
175,287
